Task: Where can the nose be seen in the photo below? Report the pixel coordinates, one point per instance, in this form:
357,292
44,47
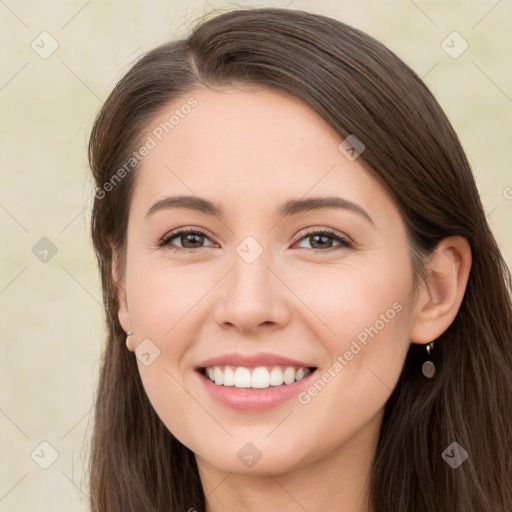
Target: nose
252,297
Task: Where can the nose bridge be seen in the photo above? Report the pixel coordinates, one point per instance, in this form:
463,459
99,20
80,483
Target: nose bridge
252,295
250,275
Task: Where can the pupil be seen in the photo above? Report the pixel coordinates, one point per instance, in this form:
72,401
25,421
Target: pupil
196,238
323,237
191,236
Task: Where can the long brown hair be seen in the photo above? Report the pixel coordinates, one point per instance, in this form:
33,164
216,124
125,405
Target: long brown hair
359,87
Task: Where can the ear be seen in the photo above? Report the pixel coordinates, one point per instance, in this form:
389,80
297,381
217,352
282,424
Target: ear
440,296
123,312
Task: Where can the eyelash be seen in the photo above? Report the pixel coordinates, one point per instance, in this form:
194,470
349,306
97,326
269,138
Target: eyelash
344,242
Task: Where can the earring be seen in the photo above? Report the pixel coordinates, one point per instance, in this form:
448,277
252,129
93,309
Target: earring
428,368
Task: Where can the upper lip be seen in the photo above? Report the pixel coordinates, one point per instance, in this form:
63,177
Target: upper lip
252,360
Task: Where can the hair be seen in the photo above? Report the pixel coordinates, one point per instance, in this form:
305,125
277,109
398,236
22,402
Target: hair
359,87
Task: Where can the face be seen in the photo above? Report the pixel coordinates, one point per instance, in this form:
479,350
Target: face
257,285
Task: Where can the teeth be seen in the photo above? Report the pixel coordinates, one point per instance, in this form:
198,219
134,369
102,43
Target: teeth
258,378
228,378
242,378
276,377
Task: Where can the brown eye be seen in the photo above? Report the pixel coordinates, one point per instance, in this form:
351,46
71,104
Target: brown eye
189,239
322,241
192,239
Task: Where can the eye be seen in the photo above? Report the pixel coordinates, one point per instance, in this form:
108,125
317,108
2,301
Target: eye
323,240
188,237
192,238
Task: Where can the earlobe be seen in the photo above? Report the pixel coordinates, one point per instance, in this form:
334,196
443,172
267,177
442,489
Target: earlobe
123,313
441,295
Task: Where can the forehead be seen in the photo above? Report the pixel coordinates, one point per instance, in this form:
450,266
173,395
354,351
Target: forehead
247,146
239,121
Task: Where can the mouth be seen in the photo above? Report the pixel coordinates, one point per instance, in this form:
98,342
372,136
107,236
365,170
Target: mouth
255,378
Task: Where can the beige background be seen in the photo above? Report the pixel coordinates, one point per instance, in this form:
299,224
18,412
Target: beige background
51,316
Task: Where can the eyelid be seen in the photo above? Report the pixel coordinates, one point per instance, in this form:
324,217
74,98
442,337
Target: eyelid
319,230
178,231
343,240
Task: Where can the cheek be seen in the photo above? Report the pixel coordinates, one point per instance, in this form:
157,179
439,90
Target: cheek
356,299
361,317
161,296
164,300
365,358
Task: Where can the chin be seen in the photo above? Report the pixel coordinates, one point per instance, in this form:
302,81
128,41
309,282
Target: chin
248,459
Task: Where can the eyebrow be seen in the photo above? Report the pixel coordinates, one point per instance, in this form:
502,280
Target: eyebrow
291,207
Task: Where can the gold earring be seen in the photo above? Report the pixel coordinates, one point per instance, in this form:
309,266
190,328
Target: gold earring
428,368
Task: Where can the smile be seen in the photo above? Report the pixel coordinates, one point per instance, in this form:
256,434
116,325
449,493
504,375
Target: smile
261,377
254,389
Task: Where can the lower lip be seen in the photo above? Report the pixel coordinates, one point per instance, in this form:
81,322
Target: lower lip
245,399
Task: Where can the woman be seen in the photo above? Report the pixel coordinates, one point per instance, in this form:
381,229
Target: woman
316,313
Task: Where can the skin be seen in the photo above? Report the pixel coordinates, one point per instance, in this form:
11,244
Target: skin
250,150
